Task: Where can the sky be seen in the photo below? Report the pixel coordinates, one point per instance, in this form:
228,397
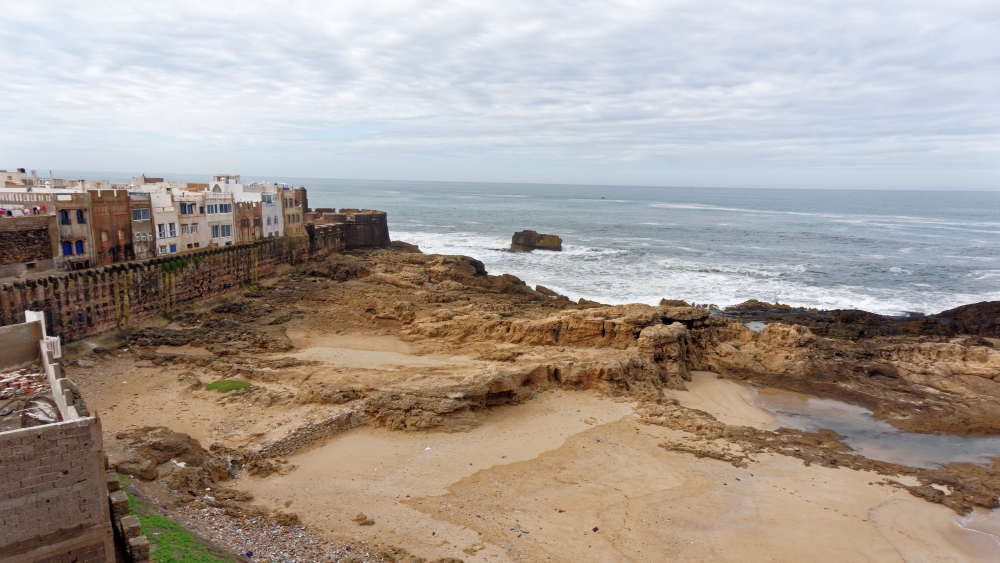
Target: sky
830,94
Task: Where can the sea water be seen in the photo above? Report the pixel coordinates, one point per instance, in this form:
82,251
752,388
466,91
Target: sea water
872,438
881,251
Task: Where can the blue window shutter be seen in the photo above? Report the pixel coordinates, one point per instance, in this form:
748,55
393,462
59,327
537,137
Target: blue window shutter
67,248
79,247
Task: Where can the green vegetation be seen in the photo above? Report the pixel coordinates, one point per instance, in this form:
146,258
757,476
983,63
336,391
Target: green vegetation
168,540
226,385
254,287
181,263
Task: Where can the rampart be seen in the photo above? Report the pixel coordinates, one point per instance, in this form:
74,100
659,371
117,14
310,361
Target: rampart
89,302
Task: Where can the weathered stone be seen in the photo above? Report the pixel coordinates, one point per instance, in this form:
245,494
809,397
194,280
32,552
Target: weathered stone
530,240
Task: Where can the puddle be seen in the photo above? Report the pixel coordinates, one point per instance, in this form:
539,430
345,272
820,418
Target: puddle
874,439
755,326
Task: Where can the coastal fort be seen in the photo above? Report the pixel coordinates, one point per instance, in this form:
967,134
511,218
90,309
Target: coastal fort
209,386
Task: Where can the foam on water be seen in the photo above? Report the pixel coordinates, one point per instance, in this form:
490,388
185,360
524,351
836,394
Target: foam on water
885,252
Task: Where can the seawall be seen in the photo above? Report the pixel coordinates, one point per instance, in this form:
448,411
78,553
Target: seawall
97,300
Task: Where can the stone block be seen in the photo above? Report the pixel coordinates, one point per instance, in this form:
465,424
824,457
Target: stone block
130,526
138,548
119,504
113,483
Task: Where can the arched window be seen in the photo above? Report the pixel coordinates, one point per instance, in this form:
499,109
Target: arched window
64,217
80,217
121,234
269,220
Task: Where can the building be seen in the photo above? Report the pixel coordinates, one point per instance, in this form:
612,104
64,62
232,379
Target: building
195,232
73,214
55,500
248,221
292,213
165,219
112,226
219,213
143,242
28,244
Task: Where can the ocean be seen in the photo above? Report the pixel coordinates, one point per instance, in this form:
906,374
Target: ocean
886,252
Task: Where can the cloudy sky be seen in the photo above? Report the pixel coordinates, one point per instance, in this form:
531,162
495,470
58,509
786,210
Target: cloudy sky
840,93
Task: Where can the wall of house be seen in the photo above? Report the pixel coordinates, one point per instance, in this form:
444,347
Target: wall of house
28,240
112,226
144,246
89,302
53,495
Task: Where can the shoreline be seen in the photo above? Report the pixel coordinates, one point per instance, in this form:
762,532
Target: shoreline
353,376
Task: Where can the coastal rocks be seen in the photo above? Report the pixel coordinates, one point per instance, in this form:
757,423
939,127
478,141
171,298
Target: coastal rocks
526,241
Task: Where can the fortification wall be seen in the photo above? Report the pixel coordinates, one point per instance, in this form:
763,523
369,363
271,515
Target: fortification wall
53,495
96,300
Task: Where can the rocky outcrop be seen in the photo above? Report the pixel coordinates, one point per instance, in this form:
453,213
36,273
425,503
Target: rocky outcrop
531,240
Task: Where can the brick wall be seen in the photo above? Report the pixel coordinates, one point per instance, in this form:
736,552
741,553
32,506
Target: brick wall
53,496
97,300
27,239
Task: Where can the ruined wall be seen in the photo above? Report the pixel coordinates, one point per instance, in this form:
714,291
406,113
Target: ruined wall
53,495
23,240
88,302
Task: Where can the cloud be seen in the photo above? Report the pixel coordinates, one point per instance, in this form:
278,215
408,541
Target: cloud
709,92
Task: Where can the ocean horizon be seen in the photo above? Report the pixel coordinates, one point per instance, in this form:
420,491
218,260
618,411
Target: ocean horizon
884,251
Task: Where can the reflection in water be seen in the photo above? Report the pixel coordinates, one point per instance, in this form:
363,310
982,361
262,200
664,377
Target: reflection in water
875,439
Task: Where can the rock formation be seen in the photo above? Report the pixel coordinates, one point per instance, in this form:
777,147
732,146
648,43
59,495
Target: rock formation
526,241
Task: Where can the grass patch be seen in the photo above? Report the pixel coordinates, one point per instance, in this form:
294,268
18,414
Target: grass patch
168,540
226,385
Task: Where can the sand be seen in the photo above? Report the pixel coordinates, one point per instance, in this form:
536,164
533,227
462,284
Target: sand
575,461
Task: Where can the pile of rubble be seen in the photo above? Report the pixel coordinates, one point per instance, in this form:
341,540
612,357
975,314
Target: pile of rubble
27,381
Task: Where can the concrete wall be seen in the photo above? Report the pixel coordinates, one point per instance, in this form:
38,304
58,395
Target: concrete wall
20,347
53,495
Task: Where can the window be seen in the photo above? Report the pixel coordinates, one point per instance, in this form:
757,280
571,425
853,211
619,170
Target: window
244,223
64,218
80,217
268,221
189,245
163,249
201,209
79,247
173,248
194,228
67,248
185,230
104,236
121,235
213,208
138,237
197,244
140,214
172,229
215,231
161,230
256,221
227,230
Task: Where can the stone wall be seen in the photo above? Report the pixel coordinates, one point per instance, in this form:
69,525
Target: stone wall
26,240
96,300
53,495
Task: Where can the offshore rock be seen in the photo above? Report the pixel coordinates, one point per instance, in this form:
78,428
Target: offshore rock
530,240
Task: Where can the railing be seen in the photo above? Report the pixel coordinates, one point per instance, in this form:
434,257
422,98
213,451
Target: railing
53,345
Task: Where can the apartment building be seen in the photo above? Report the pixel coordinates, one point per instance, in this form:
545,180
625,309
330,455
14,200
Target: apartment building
143,242
112,226
165,220
195,232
